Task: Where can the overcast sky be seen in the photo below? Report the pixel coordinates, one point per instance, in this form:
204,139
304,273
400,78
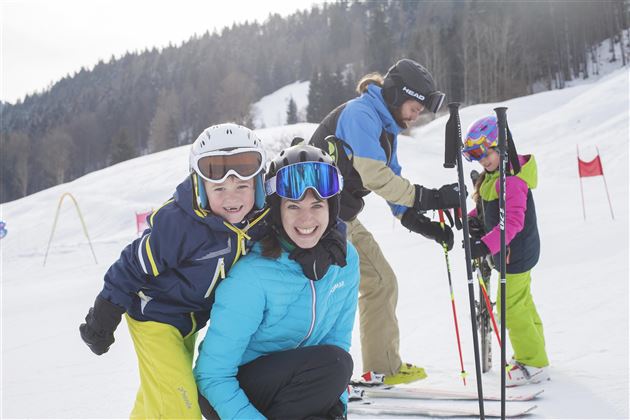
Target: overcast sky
44,40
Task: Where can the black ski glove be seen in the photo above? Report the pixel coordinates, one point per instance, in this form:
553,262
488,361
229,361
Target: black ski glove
417,222
476,228
477,248
446,197
331,249
100,324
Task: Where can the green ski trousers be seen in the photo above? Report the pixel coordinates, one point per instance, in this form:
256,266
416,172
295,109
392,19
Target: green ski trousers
523,322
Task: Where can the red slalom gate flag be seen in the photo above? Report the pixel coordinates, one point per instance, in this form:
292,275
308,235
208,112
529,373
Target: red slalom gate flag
592,168
141,221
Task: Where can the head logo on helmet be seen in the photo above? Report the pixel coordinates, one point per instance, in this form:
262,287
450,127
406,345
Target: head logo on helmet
409,80
412,93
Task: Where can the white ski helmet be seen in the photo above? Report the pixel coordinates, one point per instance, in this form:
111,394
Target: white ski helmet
226,139
229,149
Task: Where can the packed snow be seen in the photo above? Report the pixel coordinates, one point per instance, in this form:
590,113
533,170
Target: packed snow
580,285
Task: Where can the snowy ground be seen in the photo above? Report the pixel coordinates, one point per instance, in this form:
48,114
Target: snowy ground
580,285
271,110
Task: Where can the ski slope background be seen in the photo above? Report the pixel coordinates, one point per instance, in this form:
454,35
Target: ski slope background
580,285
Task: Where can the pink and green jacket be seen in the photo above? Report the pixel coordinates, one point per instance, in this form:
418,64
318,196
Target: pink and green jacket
521,230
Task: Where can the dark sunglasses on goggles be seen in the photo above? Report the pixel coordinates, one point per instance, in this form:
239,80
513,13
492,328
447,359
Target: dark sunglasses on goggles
434,101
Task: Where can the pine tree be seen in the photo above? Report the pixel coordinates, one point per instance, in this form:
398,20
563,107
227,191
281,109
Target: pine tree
292,117
314,109
121,149
379,41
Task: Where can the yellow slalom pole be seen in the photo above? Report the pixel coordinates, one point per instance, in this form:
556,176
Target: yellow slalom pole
52,232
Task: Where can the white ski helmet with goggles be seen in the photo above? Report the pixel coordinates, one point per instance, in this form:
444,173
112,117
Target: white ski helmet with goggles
229,149
409,80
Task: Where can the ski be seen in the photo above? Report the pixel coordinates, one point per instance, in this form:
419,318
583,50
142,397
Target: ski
385,409
371,384
390,391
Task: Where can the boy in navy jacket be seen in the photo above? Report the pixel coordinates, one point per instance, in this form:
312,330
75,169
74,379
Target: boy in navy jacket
164,281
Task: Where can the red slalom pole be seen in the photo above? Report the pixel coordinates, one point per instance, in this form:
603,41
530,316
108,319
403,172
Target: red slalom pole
450,285
489,306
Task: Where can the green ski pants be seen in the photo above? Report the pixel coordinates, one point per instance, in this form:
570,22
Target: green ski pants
523,322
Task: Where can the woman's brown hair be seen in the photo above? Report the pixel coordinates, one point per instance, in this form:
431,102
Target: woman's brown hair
271,246
369,79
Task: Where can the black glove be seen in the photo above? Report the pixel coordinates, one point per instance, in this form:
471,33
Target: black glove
100,324
417,222
477,248
476,228
446,197
331,249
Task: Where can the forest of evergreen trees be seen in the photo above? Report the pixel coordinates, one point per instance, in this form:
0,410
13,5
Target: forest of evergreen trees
143,102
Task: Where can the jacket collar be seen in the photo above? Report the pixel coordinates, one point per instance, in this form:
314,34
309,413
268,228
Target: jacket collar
375,97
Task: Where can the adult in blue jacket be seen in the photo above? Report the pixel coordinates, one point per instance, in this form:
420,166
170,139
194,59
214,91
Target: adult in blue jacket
277,345
364,132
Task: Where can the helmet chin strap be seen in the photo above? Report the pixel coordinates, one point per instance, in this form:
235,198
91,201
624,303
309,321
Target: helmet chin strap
259,188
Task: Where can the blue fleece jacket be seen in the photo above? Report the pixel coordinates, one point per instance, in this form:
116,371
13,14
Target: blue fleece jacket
267,306
361,123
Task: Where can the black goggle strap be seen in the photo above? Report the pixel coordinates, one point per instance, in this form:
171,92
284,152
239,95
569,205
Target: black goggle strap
512,155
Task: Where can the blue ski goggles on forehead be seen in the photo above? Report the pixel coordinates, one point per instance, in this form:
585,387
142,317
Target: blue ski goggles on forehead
292,181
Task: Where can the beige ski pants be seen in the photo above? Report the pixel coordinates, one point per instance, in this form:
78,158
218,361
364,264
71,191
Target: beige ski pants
378,296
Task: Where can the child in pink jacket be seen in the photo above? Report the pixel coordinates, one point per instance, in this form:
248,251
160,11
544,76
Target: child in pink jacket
529,362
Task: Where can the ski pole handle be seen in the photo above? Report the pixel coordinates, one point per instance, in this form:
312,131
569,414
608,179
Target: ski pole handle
441,214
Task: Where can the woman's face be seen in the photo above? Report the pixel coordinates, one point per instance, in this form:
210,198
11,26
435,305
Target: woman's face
306,220
491,161
408,113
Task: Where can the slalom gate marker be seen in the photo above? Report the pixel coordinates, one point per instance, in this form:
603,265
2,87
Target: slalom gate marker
589,169
52,232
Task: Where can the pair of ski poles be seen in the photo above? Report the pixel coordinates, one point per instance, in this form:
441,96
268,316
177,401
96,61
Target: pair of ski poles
486,299
452,159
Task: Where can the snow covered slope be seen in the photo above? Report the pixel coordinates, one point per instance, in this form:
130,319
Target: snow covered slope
271,110
580,284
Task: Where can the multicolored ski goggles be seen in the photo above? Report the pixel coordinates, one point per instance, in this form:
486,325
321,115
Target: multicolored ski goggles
292,181
216,166
475,152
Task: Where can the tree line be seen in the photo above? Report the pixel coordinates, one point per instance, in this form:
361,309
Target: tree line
147,101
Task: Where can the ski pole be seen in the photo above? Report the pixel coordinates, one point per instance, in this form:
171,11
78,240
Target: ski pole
452,158
450,286
503,152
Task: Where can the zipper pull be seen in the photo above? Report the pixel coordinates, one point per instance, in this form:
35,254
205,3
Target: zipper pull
243,246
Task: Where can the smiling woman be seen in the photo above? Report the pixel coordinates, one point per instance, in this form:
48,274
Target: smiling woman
304,221
282,321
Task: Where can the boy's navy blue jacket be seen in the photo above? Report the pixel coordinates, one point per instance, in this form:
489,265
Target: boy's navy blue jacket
170,273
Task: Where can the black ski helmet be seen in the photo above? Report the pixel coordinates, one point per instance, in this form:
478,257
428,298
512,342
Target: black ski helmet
289,156
409,80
